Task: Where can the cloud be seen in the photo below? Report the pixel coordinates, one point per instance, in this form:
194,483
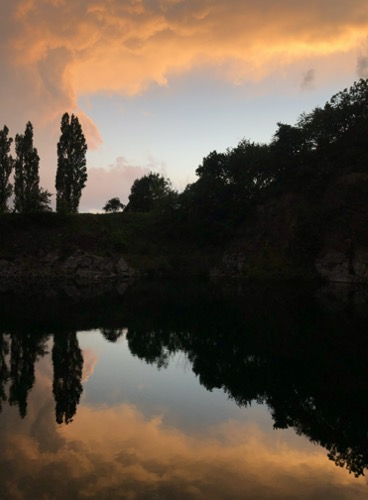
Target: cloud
72,48
90,360
90,130
66,49
308,80
106,183
151,44
109,452
362,60
362,67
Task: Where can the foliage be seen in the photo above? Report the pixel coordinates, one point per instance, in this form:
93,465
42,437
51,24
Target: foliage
44,200
327,139
6,167
113,205
71,174
228,185
29,197
244,166
148,193
302,159
26,181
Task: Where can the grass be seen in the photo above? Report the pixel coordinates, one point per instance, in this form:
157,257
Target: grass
142,239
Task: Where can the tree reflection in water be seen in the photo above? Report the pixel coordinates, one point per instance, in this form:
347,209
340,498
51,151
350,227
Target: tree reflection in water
26,347
279,347
68,366
4,371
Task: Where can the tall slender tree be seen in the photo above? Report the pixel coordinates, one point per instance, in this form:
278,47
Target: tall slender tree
71,174
28,195
6,167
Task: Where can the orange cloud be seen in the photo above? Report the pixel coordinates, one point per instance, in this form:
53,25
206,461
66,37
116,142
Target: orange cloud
90,360
250,39
122,46
117,451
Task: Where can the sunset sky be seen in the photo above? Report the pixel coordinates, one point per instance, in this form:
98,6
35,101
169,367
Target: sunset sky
158,84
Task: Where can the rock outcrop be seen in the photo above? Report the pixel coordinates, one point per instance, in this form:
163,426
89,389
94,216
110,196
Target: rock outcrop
343,256
302,236
337,266
80,264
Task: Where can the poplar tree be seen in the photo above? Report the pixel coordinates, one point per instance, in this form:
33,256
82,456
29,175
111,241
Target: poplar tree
26,178
6,167
71,174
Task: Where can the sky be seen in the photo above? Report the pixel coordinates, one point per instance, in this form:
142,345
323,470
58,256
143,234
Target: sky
159,84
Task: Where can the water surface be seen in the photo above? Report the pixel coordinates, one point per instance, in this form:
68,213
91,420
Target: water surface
183,391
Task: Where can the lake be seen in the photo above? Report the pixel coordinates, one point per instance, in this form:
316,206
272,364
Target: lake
185,390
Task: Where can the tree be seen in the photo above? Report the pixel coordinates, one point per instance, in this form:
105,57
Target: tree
6,167
44,201
71,174
287,148
113,205
149,192
227,186
29,197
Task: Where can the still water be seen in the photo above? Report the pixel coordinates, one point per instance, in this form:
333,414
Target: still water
184,391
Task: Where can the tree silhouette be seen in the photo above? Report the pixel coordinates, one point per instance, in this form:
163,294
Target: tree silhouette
4,371
68,365
148,192
71,174
6,167
112,334
113,205
25,347
28,195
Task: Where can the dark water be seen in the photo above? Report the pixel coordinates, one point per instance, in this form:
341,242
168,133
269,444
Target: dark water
185,390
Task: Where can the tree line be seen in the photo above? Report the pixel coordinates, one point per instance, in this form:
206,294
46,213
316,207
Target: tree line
19,175
301,158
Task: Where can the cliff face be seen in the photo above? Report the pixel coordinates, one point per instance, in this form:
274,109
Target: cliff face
79,264
343,255
45,246
296,235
